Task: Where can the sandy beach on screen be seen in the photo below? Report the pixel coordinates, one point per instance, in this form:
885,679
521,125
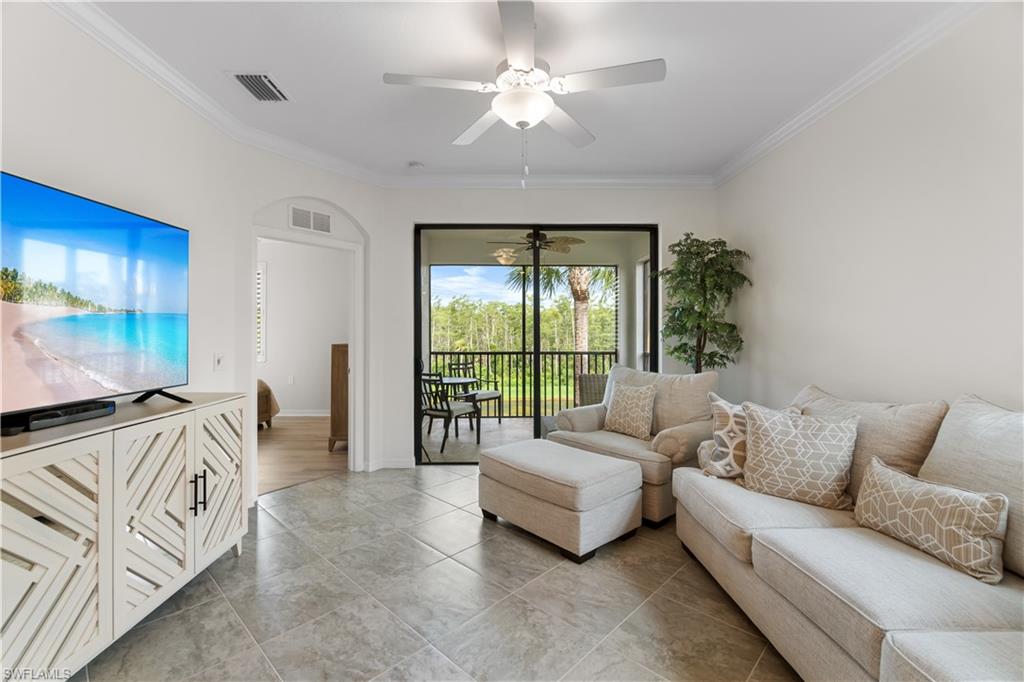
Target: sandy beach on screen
31,378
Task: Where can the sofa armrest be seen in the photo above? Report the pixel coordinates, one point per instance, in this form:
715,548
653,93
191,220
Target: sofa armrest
680,443
586,418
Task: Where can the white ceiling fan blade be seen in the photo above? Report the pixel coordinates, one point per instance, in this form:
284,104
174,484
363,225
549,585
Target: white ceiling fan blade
614,76
478,128
517,26
434,82
568,127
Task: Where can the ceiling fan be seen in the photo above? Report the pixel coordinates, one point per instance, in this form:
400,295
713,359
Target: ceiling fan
507,255
523,87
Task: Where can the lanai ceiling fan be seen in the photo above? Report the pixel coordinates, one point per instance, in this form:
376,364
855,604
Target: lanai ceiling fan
507,255
523,87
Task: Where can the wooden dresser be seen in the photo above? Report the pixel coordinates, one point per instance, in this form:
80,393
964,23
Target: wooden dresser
339,395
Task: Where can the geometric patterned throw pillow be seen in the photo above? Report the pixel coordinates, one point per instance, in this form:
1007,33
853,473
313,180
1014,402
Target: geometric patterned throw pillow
962,528
799,457
631,410
730,436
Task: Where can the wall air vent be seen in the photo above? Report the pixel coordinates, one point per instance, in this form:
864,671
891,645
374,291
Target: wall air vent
261,87
305,219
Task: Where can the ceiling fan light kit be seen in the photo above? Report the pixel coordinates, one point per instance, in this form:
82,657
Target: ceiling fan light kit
523,82
505,256
522,107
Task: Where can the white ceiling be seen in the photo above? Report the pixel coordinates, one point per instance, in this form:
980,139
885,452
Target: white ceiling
736,73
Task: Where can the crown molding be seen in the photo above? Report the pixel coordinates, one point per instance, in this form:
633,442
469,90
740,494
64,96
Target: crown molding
96,23
441,181
899,53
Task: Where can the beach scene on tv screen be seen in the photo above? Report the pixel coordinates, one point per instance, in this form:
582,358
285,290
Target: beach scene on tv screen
95,300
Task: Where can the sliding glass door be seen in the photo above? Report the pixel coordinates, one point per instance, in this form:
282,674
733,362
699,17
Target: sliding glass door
515,323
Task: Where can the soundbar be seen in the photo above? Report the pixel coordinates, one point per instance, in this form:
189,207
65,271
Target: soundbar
58,416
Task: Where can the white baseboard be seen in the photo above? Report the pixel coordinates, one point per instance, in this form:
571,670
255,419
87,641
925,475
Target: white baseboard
304,413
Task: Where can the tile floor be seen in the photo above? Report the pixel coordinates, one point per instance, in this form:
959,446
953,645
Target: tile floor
395,576
464,448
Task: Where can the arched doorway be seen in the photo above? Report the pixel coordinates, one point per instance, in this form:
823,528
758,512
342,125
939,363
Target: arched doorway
284,223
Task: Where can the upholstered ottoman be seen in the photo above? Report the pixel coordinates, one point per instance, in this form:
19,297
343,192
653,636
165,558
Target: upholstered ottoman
571,498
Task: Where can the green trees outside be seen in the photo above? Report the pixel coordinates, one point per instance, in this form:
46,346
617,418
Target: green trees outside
578,313
463,324
17,287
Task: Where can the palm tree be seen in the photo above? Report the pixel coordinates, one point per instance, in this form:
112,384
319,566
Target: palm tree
584,282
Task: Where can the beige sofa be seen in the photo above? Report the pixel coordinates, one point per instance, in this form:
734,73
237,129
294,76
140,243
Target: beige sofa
841,602
682,420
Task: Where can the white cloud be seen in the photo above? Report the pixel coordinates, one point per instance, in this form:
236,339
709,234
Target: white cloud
475,282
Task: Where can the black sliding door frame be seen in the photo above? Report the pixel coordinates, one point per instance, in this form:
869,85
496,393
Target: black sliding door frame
654,317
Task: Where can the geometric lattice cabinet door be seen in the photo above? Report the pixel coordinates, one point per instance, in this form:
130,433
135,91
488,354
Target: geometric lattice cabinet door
55,537
153,522
221,520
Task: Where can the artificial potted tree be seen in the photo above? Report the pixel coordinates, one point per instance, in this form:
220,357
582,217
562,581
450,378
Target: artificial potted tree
699,286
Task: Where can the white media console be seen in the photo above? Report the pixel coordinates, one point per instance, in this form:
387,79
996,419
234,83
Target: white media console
103,520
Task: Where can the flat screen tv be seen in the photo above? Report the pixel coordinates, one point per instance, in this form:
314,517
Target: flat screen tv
95,299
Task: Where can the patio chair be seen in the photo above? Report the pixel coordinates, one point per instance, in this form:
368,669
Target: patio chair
437,405
467,369
592,387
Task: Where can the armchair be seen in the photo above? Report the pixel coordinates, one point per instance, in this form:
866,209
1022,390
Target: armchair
682,421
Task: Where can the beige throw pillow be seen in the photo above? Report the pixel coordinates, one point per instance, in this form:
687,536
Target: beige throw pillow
799,457
979,448
730,438
631,410
962,528
899,434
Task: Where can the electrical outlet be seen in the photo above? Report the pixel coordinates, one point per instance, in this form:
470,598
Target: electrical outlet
291,379
218,362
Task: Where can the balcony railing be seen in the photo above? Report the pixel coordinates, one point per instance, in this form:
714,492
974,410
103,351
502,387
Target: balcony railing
513,371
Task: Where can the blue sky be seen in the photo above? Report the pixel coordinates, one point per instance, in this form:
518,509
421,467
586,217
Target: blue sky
100,253
480,282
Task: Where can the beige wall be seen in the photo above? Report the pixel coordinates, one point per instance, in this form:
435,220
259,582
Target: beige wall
886,239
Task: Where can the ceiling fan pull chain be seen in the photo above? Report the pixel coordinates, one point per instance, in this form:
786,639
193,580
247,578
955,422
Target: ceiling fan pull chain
526,167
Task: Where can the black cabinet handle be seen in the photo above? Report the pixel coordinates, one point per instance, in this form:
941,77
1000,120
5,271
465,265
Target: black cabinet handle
194,482
204,489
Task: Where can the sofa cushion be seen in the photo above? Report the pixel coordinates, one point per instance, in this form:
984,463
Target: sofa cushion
680,399
857,585
953,656
656,468
962,528
798,456
732,513
558,474
979,448
898,434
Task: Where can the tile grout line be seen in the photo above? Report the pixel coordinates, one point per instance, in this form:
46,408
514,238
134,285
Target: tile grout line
365,591
714,617
756,663
324,615
247,630
628,616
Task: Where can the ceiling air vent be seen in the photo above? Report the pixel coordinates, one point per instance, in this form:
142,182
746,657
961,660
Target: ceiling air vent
261,87
305,219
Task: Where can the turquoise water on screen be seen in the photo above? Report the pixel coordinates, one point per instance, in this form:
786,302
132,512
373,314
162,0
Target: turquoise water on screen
123,351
